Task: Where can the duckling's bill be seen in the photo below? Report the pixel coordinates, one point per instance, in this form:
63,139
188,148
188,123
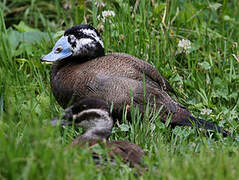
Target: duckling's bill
61,50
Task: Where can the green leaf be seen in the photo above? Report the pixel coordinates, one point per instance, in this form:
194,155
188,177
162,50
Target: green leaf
221,93
217,82
22,27
21,42
205,65
159,8
34,37
227,18
14,38
177,77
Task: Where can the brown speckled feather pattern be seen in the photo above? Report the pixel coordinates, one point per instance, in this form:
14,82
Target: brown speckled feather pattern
127,151
112,77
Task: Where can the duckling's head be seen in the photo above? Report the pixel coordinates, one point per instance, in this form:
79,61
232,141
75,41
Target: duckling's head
93,115
81,41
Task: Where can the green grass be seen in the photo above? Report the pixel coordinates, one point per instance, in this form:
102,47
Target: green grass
207,77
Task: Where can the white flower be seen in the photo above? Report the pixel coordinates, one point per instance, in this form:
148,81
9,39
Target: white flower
206,111
105,15
184,46
108,13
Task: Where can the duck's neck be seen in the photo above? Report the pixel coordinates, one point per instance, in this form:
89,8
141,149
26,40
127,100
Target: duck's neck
71,61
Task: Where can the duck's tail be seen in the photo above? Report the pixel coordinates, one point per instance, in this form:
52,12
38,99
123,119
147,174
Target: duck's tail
200,123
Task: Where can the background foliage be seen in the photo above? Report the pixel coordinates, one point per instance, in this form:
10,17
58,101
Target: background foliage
206,80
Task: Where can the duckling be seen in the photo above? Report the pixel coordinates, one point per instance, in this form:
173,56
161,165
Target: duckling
82,69
93,115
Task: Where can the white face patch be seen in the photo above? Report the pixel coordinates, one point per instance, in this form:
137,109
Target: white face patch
72,39
83,42
84,46
93,34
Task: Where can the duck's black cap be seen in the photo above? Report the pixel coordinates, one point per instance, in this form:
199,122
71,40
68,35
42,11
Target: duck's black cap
75,29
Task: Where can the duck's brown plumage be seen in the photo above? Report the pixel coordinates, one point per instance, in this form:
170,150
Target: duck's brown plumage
82,69
127,151
112,77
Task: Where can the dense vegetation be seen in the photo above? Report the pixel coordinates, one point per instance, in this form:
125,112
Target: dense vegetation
204,71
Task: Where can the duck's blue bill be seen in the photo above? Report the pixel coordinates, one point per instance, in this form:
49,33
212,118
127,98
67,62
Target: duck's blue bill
61,50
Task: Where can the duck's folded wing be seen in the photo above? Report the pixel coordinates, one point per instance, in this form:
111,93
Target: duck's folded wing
152,75
123,91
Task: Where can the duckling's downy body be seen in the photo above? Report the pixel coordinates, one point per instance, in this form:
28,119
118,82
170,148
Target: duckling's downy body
81,69
93,115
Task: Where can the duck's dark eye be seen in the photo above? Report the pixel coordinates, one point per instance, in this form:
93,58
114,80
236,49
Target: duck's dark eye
58,49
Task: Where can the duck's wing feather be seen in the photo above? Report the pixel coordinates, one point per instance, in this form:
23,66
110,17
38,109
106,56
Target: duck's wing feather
150,72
